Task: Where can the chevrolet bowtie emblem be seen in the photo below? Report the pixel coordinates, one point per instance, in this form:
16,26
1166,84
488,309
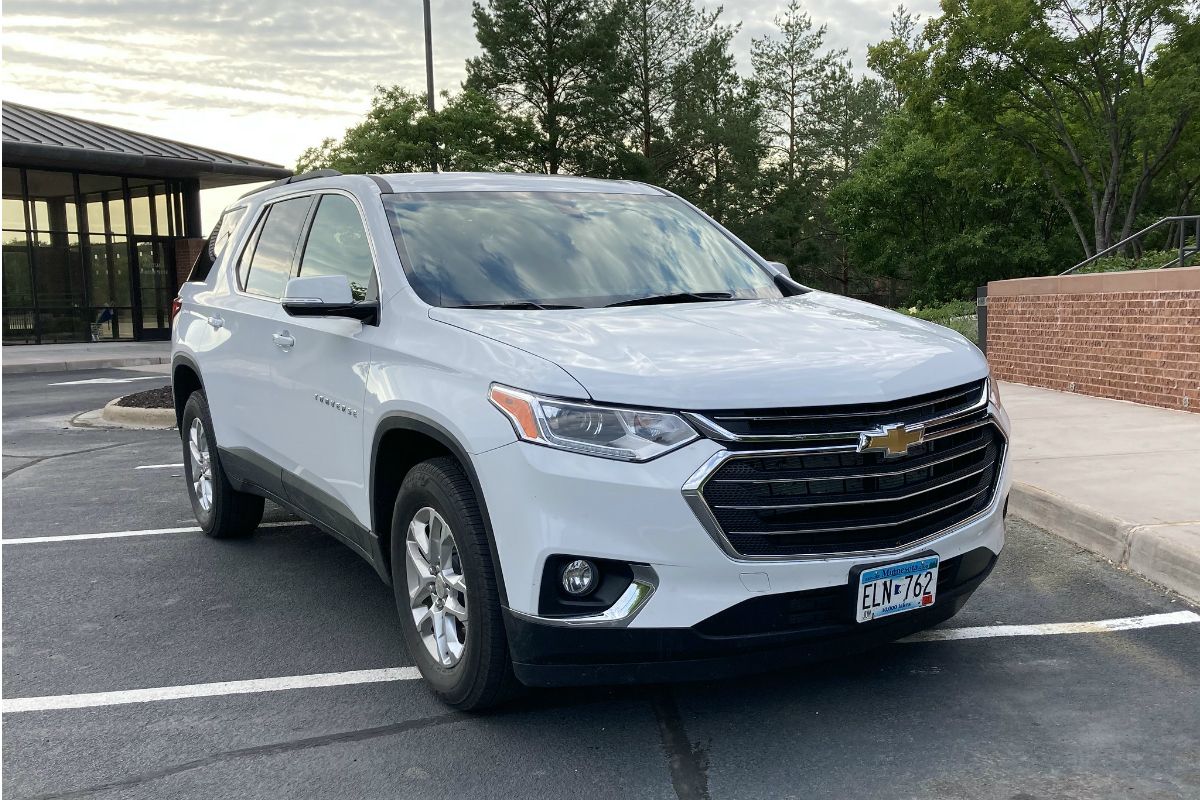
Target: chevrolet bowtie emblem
893,440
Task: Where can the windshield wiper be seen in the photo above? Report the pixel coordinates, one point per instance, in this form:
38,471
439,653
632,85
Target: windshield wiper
680,297
518,305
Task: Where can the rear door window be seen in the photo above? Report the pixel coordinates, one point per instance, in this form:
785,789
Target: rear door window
265,273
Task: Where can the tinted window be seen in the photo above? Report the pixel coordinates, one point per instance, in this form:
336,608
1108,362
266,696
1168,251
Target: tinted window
217,242
224,231
270,266
337,245
585,249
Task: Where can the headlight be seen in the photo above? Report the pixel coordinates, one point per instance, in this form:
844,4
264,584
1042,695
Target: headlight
623,433
994,391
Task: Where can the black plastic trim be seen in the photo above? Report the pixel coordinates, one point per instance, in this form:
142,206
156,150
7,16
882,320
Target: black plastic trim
410,422
614,579
253,473
384,186
303,176
365,311
183,359
249,471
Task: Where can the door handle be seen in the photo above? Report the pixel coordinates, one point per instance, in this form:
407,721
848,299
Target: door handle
283,340
216,322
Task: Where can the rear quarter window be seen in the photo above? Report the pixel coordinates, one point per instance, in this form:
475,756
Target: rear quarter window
218,241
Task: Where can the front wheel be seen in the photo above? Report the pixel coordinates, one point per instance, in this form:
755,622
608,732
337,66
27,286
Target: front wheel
446,590
222,511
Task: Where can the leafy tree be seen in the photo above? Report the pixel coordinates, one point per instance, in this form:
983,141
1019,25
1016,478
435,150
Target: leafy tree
899,60
470,132
554,61
934,210
1099,93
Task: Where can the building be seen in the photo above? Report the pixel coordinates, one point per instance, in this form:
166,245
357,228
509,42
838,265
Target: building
99,225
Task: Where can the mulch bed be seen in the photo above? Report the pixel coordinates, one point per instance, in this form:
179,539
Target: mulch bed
151,398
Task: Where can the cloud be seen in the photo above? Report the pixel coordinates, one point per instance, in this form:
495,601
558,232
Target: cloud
268,78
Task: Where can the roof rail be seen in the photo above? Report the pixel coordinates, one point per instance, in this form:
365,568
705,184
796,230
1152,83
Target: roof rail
303,176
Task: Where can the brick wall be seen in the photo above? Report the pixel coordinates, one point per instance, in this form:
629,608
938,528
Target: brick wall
1125,335
186,251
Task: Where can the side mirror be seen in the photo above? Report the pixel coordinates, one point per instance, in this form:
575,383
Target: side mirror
782,277
327,296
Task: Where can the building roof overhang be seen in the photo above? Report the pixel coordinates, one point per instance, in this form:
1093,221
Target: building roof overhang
36,138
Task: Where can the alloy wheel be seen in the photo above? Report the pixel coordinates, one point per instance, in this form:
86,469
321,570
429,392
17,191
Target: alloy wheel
437,589
201,459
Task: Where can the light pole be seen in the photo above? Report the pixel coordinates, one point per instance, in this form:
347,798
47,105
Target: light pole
433,161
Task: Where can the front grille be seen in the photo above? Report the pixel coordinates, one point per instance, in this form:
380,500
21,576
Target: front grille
781,422
814,499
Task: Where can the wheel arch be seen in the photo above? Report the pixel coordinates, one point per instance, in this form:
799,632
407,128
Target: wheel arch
185,379
401,441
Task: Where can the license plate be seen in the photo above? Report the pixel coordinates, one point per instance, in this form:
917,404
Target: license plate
896,588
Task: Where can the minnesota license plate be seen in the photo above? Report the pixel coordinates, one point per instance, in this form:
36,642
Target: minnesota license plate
896,588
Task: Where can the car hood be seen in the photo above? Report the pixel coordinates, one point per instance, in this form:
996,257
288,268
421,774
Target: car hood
813,349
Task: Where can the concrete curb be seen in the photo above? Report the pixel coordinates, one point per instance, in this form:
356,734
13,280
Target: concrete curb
144,417
1166,554
81,364
115,416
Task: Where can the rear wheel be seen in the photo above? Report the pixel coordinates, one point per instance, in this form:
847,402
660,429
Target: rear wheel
446,590
222,511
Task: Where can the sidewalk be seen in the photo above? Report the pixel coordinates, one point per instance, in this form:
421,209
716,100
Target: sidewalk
1120,479
20,359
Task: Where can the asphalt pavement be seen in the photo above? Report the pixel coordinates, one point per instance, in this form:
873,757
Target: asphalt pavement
1064,715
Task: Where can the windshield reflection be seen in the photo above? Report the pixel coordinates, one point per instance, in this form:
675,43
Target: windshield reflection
559,248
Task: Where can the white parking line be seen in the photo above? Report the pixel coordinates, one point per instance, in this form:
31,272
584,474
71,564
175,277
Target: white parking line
16,705
1054,628
81,537
107,380
160,466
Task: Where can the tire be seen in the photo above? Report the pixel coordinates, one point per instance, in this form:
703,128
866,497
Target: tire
480,675
229,514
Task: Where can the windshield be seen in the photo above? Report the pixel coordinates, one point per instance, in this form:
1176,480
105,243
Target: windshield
560,249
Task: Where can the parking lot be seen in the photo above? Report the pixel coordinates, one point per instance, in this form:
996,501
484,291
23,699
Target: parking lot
1046,710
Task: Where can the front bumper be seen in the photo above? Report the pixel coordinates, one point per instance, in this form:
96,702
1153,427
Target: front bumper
544,502
765,633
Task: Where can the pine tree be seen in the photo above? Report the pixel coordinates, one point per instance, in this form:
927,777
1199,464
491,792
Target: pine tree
554,61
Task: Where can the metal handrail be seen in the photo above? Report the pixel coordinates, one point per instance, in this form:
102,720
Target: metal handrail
1184,251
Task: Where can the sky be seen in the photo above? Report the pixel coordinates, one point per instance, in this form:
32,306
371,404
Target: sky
268,78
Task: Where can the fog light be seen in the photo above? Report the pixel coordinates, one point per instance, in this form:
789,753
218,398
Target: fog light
579,577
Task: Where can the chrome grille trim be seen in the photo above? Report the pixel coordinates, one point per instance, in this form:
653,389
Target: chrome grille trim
859,476
800,417
708,426
693,488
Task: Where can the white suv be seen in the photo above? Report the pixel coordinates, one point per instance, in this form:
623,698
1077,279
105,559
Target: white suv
585,433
